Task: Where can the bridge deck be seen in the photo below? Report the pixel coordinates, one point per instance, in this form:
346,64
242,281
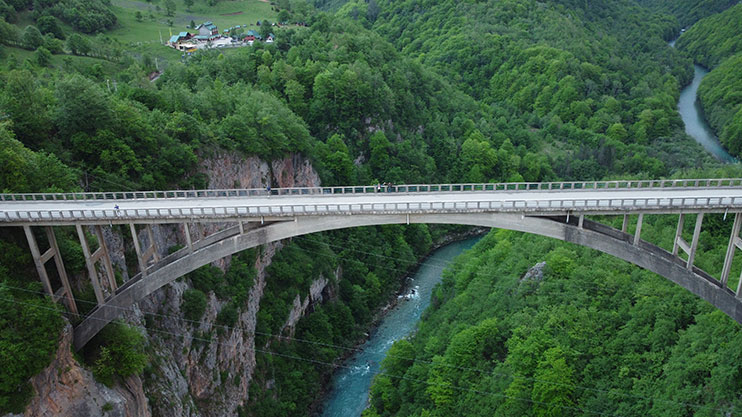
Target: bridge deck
260,207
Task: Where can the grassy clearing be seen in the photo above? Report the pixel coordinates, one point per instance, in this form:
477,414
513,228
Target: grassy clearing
59,61
145,37
224,14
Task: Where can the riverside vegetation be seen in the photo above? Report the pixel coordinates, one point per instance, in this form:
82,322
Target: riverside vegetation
404,92
715,43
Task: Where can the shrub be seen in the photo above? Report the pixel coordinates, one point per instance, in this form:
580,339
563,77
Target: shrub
228,315
118,351
29,328
194,304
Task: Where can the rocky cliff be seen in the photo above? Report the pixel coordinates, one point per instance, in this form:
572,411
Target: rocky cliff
65,389
197,369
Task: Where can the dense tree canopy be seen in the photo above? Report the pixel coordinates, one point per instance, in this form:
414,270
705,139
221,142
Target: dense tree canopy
689,11
716,43
712,40
592,335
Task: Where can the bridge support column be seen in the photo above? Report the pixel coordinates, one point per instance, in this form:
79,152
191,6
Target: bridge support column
92,258
678,234
734,243
187,232
694,242
680,243
151,252
40,261
625,224
638,233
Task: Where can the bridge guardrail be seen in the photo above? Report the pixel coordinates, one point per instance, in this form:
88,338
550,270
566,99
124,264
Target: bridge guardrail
372,189
278,210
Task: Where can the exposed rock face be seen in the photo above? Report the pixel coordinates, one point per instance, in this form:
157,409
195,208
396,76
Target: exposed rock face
228,170
65,388
206,370
300,307
197,369
535,273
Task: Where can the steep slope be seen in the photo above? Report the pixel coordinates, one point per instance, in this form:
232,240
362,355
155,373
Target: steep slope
689,11
527,326
710,41
716,43
720,94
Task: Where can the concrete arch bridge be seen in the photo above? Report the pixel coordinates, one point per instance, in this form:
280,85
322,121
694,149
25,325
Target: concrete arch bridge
257,216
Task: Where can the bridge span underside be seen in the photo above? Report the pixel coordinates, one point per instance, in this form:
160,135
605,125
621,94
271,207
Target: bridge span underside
575,230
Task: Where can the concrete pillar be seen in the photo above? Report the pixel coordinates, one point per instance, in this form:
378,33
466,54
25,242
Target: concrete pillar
638,233
625,224
187,232
138,250
694,242
90,263
678,234
106,258
152,250
143,256
730,249
38,263
60,269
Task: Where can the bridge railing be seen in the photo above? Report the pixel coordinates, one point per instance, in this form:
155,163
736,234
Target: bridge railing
587,205
371,189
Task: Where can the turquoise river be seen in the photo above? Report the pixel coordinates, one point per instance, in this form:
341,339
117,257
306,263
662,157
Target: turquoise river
350,385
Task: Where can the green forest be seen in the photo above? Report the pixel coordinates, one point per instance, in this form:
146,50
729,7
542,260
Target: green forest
716,43
412,91
591,335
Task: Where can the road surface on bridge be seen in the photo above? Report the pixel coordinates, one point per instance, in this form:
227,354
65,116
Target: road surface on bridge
535,202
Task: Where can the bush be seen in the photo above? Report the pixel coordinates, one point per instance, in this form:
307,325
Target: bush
32,38
118,350
207,278
228,316
29,328
194,304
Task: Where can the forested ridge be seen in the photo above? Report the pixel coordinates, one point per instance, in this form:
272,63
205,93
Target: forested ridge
402,92
584,84
689,11
713,39
716,43
579,334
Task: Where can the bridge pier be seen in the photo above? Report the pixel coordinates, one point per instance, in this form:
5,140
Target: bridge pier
638,233
40,261
143,258
92,258
189,241
680,243
734,243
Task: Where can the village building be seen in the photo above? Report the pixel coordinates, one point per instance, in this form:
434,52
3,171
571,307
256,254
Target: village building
253,35
207,29
206,38
179,41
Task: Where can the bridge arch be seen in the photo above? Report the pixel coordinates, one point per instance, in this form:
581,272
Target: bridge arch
585,233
